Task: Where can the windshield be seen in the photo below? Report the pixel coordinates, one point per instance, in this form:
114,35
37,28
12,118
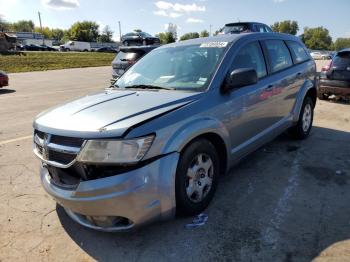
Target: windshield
231,29
144,34
182,67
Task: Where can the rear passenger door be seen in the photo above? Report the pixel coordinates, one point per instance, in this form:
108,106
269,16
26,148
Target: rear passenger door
282,78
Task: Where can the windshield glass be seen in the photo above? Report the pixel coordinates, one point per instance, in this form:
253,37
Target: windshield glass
182,67
231,29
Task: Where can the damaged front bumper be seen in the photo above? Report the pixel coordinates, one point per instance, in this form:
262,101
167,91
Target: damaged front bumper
120,202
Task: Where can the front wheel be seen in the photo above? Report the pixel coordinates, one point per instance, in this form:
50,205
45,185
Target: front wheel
302,129
196,177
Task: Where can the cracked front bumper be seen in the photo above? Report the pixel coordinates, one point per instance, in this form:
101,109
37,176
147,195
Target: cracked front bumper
141,196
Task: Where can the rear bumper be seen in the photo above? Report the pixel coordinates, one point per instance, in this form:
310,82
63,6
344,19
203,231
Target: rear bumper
336,87
139,196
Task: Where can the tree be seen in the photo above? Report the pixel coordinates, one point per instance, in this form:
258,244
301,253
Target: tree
4,25
137,30
341,43
166,37
57,34
204,33
317,38
287,26
84,31
46,32
189,36
23,26
106,35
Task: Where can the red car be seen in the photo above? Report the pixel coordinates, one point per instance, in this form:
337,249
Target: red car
4,79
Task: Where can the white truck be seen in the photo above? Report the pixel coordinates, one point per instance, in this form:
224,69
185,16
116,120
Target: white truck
76,46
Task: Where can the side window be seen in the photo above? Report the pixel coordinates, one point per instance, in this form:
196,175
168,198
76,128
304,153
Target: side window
251,56
298,51
267,29
260,28
279,55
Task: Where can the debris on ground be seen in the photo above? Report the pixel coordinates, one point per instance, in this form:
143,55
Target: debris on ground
197,221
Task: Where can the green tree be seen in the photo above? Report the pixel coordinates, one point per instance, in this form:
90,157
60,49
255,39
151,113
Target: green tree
341,43
4,25
84,31
204,33
106,35
166,37
317,38
46,32
137,30
23,26
57,34
287,26
189,36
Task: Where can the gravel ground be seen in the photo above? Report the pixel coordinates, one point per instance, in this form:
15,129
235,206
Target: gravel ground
288,201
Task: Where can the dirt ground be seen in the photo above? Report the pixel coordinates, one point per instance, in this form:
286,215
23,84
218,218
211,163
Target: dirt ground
288,201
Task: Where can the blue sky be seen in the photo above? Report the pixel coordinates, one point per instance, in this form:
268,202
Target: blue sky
195,15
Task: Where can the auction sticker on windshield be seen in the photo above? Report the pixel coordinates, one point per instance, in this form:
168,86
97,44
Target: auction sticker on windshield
214,44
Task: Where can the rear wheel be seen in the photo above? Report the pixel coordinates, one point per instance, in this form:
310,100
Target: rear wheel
126,43
144,42
196,177
302,129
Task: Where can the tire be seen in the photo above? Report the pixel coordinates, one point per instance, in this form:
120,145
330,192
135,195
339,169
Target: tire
126,43
200,156
144,42
302,129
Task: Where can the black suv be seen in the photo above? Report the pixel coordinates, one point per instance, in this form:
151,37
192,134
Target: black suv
245,27
335,77
139,38
126,57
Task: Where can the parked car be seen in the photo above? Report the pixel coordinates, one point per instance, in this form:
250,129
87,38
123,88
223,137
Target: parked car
139,38
335,77
4,79
48,48
320,55
107,49
156,144
245,27
126,57
76,46
32,47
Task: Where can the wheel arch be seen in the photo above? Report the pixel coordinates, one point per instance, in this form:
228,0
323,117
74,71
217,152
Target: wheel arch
308,89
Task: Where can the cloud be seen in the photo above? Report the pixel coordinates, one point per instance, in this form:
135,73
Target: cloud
194,20
179,7
176,10
61,4
167,14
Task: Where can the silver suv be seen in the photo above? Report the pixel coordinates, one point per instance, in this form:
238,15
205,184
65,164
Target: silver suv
155,144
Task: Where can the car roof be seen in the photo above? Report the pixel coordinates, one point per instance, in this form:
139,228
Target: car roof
232,38
344,50
239,23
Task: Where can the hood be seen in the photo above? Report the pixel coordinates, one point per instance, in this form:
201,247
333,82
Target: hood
110,113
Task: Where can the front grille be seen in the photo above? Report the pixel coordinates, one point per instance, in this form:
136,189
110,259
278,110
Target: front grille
58,149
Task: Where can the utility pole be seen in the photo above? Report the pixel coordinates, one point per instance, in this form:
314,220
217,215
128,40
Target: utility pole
120,31
41,27
210,29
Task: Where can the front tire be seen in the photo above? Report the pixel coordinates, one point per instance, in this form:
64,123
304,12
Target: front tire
302,129
126,43
196,177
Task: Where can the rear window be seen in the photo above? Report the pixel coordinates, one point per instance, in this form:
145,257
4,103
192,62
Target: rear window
234,29
279,56
128,56
298,51
342,58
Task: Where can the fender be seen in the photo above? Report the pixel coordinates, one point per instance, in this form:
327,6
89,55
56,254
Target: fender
195,128
308,84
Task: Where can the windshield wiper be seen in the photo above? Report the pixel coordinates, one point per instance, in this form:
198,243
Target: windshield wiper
150,87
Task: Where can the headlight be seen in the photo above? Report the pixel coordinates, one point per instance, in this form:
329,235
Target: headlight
115,151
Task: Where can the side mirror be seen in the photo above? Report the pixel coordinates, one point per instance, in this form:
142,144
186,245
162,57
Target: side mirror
239,78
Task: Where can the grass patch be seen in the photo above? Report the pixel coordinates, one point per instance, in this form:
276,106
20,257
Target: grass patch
40,61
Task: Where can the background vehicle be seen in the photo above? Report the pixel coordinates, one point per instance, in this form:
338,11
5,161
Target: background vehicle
245,27
48,48
180,117
126,57
335,77
32,47
4,79
76,46
320,55
107,49
139,38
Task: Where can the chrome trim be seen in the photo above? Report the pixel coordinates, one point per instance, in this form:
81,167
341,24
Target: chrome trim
53,163
63,149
